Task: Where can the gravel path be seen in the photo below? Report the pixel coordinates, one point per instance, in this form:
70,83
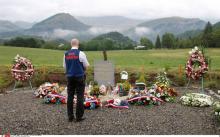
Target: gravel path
22,113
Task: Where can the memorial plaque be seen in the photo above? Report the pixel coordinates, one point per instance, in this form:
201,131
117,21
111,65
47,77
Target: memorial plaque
104,72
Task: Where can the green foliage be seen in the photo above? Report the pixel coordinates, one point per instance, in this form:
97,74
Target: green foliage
212,84
5,77
158,42
167,68
126,86
162,79
95,91
25,42
146,42
168,40
216,38
142,77
208,28
128,59
109,41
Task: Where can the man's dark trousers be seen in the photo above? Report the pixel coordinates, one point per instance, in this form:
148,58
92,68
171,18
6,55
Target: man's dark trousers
75,85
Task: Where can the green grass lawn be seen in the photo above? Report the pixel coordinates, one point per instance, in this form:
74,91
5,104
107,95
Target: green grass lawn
149,59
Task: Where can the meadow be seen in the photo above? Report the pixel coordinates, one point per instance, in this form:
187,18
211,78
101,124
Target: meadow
127,59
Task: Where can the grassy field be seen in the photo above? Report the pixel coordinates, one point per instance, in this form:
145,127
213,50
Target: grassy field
149,59
49,62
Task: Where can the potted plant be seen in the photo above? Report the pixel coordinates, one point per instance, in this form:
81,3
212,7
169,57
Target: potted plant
95,91
126,87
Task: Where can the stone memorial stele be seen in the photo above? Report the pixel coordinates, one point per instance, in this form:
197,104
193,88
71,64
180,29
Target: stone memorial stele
104,72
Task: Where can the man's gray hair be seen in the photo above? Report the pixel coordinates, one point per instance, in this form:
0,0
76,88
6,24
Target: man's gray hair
74,42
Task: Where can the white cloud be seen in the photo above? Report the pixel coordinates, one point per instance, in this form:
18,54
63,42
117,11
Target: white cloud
142,31
33,10
99,30
61,33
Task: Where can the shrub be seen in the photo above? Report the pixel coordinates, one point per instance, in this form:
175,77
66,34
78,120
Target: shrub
142,78
126,86
95,91
211,84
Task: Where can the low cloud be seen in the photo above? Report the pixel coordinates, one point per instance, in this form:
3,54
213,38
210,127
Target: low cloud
142,30
99,30
63,33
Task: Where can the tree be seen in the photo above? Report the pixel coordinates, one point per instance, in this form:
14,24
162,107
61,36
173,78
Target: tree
25,42
216,38
168,40
208,28
146,42
158,42
207,38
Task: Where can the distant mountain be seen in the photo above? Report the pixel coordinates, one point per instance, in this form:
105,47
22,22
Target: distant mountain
61,25
7,26
62,21
112,23
190,33
216,25
65,26
23,24
175,25
193,33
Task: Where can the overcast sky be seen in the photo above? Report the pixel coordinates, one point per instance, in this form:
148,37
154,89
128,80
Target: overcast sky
36,10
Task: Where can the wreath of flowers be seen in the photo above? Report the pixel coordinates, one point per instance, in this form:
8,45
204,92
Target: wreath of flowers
22,69
196,58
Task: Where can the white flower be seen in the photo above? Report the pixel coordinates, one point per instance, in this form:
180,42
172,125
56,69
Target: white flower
193,50
196,99
158,95
190,52
216,113
196,48
152,91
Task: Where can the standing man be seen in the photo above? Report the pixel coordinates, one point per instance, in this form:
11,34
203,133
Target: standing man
75,63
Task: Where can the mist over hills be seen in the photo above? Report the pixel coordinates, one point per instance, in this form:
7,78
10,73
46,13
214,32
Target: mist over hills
65,26
117,23
7,26
24,24
175,25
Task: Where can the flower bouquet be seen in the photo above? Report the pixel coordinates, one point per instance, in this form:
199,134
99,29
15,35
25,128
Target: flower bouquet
22,69
91,102
117,103
55,98
161,88
196,99
47,88
162,80
123,88
196,65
